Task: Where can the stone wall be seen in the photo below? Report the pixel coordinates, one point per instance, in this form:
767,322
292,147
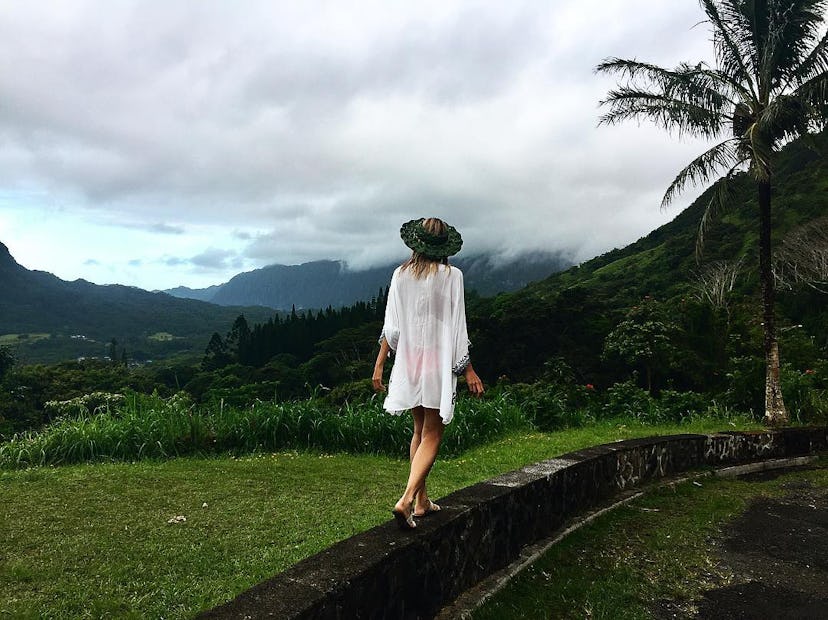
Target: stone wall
386,573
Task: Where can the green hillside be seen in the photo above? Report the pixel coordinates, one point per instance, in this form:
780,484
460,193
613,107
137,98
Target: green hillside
570,313
48,319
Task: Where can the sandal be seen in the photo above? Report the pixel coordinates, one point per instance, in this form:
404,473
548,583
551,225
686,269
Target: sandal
405,521
432,508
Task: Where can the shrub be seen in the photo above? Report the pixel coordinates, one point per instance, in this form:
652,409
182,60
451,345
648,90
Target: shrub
88,403
548,407
805,393
681,406
353,392
628,400
746,384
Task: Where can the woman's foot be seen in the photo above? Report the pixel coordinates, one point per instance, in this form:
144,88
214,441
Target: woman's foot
429,508
404,515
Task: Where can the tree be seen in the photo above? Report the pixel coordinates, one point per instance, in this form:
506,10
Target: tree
643,338
216,355
768,86
715,282
7,360
803,257
238,340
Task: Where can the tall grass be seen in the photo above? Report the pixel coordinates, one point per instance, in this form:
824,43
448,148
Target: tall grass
151,427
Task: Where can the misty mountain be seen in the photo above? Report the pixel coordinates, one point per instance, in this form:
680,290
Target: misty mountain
324,283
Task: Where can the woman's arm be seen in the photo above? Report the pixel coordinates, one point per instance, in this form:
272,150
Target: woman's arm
379,365
472,380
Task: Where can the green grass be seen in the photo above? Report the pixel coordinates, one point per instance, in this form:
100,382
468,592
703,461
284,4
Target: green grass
151,427
161,337
92,540
657,547
12,339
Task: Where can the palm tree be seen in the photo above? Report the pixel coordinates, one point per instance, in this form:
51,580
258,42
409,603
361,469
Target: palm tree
769,85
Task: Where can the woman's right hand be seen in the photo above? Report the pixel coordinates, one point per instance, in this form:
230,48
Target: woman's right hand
379,365
473,381
377,379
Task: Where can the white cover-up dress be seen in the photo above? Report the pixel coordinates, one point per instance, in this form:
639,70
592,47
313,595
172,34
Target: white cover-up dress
425,326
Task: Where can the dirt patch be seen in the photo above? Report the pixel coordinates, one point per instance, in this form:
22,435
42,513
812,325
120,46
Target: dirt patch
776,554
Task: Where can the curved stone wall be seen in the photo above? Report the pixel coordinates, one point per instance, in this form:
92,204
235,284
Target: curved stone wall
385,573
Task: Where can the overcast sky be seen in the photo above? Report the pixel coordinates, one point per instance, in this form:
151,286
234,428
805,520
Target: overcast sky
181,142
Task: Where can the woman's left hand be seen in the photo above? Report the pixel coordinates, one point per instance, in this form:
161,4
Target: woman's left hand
473,381
377,379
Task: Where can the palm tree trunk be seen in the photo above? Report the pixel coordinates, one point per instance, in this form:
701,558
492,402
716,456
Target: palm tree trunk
775,412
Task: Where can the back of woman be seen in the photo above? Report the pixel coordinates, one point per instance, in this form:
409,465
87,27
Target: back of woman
425,327
427,319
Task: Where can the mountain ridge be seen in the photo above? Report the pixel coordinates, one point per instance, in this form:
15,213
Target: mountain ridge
323,283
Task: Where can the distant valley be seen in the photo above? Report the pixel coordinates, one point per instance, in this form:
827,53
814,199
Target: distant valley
46,319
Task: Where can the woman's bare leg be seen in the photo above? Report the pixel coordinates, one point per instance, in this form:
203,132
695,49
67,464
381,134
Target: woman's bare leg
430,438
418,413
422,501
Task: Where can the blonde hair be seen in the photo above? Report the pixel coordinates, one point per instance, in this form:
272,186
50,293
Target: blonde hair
422,266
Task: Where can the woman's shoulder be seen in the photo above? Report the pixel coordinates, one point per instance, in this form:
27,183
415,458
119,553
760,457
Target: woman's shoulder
455,272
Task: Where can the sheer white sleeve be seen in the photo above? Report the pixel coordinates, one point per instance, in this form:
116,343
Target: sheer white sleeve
391,325
460,359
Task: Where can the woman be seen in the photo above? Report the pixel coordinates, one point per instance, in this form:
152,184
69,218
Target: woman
425,327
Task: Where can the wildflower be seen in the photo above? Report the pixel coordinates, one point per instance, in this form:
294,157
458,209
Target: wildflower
809,371
589,386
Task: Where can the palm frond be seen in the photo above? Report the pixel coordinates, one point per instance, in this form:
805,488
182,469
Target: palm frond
793,29
632,69
722,199
739,91
815,64
695,84
729,54
783,119
672,114
742,29
814,94
704,168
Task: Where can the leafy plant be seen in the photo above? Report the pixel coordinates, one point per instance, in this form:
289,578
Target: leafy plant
153,427
643,339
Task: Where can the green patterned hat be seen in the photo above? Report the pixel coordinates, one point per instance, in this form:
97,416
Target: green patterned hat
431,246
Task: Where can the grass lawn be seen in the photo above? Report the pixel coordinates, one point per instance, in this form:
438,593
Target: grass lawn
93,540
13,339
657,548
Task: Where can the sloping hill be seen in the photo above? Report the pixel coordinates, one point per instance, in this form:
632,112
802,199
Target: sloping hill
664,261
39,302
570,313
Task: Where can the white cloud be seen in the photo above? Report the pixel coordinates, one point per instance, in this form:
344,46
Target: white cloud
262,132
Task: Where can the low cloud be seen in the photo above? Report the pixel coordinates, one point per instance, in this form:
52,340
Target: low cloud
215,258
301,131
